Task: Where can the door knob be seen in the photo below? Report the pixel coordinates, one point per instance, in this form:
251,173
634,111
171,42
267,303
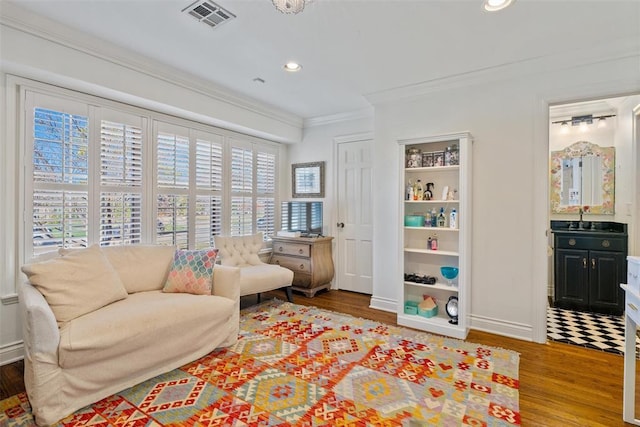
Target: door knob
340,225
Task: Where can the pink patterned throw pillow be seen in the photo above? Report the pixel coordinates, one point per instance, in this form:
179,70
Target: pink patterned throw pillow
192,272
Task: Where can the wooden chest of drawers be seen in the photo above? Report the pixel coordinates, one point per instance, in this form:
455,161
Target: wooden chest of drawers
310,260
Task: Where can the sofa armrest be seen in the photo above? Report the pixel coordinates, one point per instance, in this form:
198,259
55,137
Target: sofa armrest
226,282
39,326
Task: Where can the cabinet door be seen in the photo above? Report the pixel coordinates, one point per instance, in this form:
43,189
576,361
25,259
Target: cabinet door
606,273
572,278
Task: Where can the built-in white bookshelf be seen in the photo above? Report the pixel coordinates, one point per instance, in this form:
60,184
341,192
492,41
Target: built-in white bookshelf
451,189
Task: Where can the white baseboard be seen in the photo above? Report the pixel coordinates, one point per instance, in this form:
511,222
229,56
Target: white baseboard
384,304
519,331
12,352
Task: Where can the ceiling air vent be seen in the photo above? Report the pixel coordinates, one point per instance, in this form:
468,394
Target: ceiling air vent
209,13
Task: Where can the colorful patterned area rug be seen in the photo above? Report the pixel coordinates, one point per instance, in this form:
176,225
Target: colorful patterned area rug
303,366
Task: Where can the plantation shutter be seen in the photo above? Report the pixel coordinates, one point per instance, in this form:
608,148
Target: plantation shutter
172,181
59,170
209,173
266,189
121,179
241,189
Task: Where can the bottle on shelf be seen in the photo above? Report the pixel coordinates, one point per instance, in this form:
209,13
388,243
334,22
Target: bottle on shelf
434,218
428,194
418,191
453,219
442,220
409,191
433,243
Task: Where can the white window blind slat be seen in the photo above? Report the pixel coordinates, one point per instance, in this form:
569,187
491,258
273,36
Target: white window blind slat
208,220
120,218
60,147
59,219
241,216
173,220
172,161
121,154
266,173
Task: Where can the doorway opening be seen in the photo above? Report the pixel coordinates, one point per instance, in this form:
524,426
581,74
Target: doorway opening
591,194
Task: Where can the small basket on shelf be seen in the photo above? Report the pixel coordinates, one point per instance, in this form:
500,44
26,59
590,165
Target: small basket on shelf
428,307
410,307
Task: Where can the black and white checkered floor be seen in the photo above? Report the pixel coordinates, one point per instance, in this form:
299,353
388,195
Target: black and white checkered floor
591,330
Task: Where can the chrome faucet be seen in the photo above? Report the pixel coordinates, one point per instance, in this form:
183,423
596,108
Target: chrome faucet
581,224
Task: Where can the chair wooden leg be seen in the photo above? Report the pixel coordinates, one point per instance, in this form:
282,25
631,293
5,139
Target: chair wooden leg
259,298
289,293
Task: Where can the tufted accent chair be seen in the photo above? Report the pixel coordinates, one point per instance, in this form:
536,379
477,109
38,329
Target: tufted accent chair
255,275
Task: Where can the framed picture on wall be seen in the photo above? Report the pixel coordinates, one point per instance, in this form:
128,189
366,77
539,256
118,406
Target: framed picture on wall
307,179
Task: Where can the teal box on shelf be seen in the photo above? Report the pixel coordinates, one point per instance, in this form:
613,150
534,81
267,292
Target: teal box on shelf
413,221
428,313
410,307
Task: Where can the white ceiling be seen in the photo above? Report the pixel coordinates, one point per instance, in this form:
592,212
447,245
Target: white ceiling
349,48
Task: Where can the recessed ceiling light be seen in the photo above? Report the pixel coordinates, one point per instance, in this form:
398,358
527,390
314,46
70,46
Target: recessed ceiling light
495,5
292,66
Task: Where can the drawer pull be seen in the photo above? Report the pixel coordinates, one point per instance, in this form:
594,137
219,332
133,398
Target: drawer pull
280,249
593,263
606,243
301,266
584,263
300,251
634,276
572,242
632,307
278,261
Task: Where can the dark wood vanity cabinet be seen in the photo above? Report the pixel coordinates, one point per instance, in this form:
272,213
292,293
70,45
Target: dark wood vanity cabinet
589,268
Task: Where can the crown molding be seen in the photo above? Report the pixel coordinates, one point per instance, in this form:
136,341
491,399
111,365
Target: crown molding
363,136
364,113
604,52
22,20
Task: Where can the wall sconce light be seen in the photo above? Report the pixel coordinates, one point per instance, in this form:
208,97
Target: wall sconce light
583,122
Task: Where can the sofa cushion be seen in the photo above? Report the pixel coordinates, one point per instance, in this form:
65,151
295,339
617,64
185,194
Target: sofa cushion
262,278
144,331
78,283
191,272
141,267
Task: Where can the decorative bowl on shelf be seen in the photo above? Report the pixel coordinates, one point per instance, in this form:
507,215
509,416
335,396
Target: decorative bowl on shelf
449,273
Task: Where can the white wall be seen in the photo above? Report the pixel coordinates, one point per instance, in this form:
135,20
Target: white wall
318,145
509,122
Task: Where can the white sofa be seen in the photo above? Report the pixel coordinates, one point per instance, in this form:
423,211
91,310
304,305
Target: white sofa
73,362
255,276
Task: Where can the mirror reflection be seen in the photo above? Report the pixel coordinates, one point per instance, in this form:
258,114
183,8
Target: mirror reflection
581,181
582,176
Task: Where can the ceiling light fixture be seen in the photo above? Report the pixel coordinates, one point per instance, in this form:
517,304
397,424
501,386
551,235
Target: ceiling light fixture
289,6
582,122
496,5
292,67
602,122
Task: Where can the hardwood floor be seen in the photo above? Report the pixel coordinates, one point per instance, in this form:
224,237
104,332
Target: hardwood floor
560,384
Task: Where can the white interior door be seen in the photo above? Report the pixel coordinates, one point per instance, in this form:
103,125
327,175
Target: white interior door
354,235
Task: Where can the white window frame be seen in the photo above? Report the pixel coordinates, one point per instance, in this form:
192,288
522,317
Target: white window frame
148,119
